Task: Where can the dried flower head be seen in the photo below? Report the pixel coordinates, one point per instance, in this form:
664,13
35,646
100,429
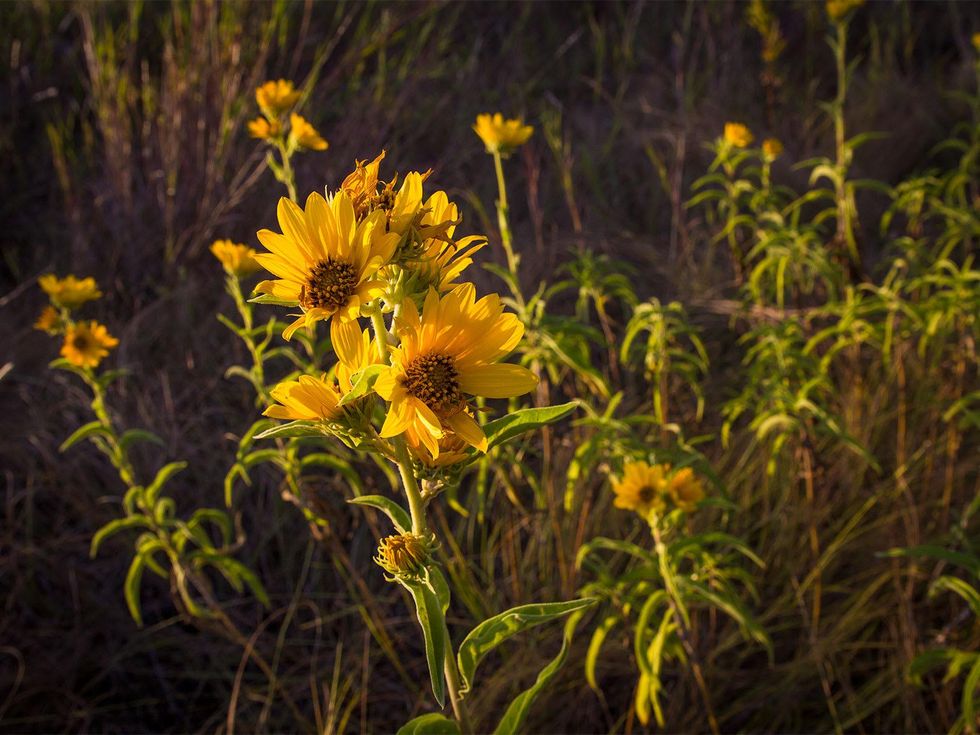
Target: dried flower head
404,555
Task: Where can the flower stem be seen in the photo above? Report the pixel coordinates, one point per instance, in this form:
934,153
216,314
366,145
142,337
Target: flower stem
502,212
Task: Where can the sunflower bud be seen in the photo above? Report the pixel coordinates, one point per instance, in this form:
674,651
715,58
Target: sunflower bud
404,555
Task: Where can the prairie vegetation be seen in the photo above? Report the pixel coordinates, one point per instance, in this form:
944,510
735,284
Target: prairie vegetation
656,398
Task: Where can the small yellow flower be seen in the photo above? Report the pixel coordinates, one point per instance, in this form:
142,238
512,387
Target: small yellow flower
275,98
305,135
305,399
238,260
772,148
838,10
264,129
976,41
450,351
738,135
49,320
641,488
86,343
403,555
685,489
325,260
69,292
441,260
355,351
500,135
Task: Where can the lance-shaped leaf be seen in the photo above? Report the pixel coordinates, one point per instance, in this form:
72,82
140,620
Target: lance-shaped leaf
527,419
517,711
162,478
427,607
113,527
430,724
291,429
93,428
398,515
492,632
362,383
131,588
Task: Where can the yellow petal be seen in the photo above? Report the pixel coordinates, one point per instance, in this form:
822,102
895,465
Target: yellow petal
466,427
497,381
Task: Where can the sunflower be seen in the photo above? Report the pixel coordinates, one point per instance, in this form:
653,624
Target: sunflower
69,292
325,260
448,352
238,260
685,489
641,488
305,399
305,135
501,136
49,320
355,351
275,98
738,135
772,148
86,343
441,259
264,129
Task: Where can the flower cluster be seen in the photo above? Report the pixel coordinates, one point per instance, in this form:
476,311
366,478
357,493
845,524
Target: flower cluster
275,99
373,248
86,343
648,489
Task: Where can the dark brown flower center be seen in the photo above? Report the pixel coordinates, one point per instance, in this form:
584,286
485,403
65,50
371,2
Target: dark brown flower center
434,380
81,343
646,494
330,285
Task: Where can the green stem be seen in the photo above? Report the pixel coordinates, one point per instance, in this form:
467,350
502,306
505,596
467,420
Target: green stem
845,227
452,679
288,175
245,311
502,221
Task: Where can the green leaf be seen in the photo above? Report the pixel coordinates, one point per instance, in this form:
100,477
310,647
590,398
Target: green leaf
430,724
112,528
595,646
162,477
92,428
131,588
516,712
398,515
293,428
960,587
492,632
362,383
434,632
527,419
139,435
967,561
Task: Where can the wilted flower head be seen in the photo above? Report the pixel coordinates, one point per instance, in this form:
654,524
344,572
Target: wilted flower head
305,135
501,136
69,292
238,260
264,129
86,343
276,97
772,148
738,135
404,555
641,488
838,10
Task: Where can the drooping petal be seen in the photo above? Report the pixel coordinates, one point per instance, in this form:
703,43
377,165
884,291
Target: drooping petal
497,380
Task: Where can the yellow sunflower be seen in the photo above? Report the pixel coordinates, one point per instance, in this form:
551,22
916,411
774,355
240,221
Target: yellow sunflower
500,135
238,260
738,135
355,351
325,260
264,129
772,148
441,259
305,135
641,488
305,399
450,351
276,97
69,292
49,320
86,343
685,489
